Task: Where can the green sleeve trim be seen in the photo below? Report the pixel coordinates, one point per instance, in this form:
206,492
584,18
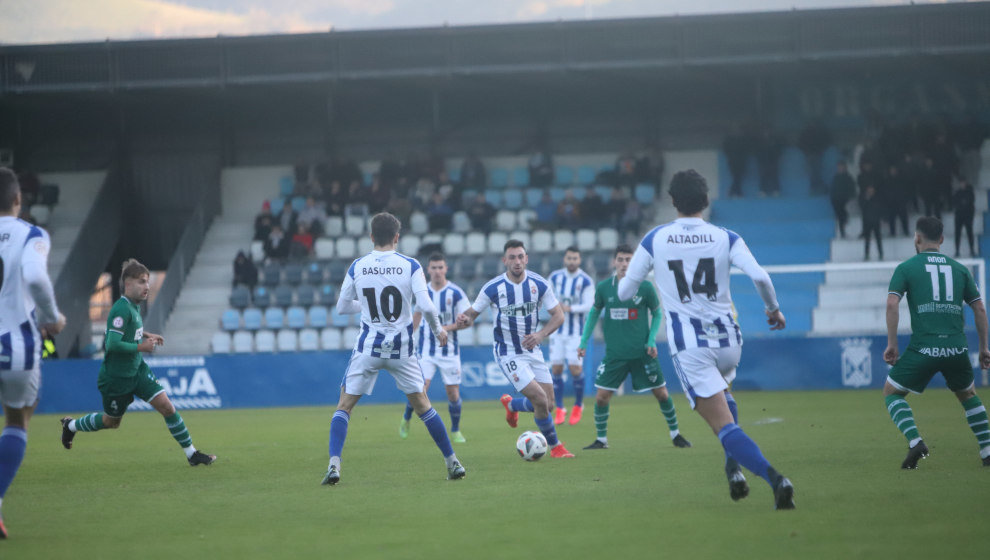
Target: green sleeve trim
589,326
115,343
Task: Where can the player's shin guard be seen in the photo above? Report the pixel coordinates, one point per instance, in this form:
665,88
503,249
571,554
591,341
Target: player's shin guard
89,423
338,432
731,465
976,416
177,427
558,390
546,426
434,424
521,404
601,420
903,417
579,391
669,414
743,449
407,415
13,443
454,407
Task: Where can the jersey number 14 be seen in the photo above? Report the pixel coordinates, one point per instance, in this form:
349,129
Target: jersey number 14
702,283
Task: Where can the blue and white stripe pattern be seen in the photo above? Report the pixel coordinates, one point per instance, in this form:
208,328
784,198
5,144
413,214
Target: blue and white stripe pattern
517,309
449,301
20,349
691,332
384,283
20,339
571,289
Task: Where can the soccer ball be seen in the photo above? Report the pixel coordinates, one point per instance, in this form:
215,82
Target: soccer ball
531,446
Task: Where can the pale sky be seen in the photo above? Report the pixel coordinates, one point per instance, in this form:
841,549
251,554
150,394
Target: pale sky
58,21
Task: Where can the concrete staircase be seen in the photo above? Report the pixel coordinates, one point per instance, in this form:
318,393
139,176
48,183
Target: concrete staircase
77,192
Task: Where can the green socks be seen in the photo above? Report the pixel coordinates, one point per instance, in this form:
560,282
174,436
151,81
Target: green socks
177,428
900,412
89,423
601,421
670,415
976,415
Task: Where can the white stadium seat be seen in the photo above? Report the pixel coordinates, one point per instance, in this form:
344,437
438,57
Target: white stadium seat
257,251
264,341
505,220
453,243
562,239
419,224
309,340
220,343
354,225
288,340
542,241
608,238
346,248
409,244
586,239
522,236
525,218
496,242
474,243
330,339
243,342
323,248
365,245
334,226
461,222
349,337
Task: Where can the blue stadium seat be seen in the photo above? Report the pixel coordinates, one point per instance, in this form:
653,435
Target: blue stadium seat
339,320
298,203
645,193
586,175
520,177
272,274
285,186
557,193
565,175
274,318
533,197
262,296
499,178
252,319
295,317
368,177
514,199
318,316
294,274
454,174
277,204
283,295
337,269
328,294
314,273
469,195
306,295
231,320
494,198
604,192
240,297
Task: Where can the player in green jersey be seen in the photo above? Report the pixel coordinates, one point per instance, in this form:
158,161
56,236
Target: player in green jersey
630,348
936,288
124,372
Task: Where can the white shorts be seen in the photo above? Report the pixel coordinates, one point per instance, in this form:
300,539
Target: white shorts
448,366
706,371
520,369
362,371
564,348
19,388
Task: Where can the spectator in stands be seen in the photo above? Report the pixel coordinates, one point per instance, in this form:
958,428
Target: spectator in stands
945,165
969,139
928,187
482,213
357,194
300,172
591,209
768,149
873,211
737,148
615,210
287,218
276,246
409,169
910,174
813,140
378,195
313,216
473,172
650,166
422,193
302,242
540,168
350,172
896,197
244,271
569,211
631,218
625,170
400,207
439,212
546,210
389,170
30,188
263,222
448,190
965,205
843,190
336,199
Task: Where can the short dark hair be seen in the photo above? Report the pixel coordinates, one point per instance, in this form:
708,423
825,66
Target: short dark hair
437,257
131,269
929,227
9,189
512,244
622,249
384,228
572,249
689,192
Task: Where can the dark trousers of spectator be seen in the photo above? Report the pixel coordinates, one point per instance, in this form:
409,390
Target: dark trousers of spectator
841,214
874,230
737,169
898,213
964,221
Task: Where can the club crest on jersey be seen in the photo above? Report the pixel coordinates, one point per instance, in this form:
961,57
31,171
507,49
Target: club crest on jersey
637,299
386,346
118,322
532,290
857,362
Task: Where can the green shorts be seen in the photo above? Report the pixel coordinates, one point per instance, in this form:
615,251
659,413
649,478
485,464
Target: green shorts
645,372
119,392
914,370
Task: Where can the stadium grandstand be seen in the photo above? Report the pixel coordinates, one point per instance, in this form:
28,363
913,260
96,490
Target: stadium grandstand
169,150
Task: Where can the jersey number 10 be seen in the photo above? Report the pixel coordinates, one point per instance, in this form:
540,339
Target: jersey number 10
946,271
702,283
390,299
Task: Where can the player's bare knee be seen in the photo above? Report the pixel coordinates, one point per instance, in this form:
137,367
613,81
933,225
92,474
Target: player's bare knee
453,393
602,397
966,394
110,422
889,389
661,394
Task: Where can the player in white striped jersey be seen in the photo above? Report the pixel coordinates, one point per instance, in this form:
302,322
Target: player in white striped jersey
26,301
450,301
576,293
516,297
704,339
381,286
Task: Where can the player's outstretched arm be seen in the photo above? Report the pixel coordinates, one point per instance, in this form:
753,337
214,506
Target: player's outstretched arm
980,316
34,272
639,267
347,302
589,329
892,353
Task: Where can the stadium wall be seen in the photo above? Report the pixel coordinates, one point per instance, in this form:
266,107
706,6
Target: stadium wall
313,379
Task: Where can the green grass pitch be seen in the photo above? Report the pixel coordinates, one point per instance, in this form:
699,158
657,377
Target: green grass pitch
130,494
